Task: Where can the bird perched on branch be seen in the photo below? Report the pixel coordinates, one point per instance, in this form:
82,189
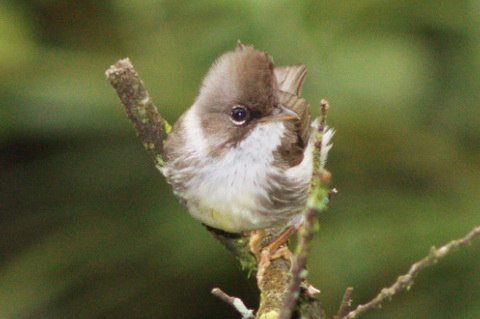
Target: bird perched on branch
240,158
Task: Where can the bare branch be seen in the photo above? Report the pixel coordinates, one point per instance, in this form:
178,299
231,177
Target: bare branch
236,303
406,281
346,303
151,128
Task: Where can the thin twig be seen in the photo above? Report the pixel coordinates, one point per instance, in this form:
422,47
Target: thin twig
346,303
316,203
406,281
236,303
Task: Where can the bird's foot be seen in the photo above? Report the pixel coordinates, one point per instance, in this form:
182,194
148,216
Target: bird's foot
256,238
274,250
265,260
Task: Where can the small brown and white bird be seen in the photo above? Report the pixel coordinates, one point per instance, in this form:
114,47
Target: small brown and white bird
240,157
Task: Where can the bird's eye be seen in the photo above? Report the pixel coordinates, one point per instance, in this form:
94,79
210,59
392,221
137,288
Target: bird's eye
239,115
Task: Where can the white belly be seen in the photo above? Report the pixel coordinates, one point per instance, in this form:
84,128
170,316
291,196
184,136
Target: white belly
225,192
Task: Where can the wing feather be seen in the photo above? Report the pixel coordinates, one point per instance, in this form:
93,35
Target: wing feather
290,81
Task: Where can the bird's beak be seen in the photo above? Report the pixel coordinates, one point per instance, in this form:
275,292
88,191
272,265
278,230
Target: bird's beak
280,113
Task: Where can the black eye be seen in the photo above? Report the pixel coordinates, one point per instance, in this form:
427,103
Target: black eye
239,115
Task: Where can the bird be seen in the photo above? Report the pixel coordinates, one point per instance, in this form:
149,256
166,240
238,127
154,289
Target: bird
240,158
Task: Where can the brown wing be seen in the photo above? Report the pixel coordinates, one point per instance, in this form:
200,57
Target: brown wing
290,78
290,81
301,107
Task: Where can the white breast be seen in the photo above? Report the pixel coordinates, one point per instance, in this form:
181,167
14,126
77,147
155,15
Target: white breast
225,191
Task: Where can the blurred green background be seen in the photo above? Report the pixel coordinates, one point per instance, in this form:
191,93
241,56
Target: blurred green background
89,228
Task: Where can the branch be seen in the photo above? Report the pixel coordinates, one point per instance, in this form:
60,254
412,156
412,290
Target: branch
319,194
151,128
406,281
236,303
277,279
346,303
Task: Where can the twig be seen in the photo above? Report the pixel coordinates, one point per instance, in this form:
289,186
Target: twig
151,128
236,303
316,203
346,303
406,281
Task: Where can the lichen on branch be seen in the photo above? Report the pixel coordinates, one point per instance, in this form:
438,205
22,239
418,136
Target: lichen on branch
151,127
